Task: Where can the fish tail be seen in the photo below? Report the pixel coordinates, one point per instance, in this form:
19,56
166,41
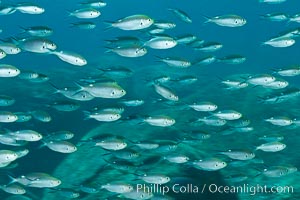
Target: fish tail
56,88
86,114
23,29
109,49
109,25
44,143
79,85
12,179
274,71
208,19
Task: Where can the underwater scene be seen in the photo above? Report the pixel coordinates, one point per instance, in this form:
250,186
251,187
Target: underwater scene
153,99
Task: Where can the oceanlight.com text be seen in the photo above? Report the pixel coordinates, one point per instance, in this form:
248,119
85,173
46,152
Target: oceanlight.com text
213,188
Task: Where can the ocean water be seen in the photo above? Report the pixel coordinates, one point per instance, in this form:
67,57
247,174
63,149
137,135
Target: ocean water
94,167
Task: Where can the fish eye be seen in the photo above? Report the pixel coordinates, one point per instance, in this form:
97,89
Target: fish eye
236,21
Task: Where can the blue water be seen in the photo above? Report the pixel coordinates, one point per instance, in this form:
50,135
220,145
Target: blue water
87,161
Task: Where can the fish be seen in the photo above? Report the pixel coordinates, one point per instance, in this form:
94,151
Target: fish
277,17
161,42
6,100
181,15
280,121
280,42
238,154
37,180
65,192
162,121
65,106
260,79
38,31
94,3
294,18
227,20
60,146
35,44
212,121
155,178
164,24
227,114
209,46
119,188
176,158
133,51
206,60
7,71
277,84
293,70
7,156
7,117
9,48
29,8
112,144
209,164
232,59
165,92
272,138
117,72
59,136
2,54
84,25
41,116
175,62
70,57
26,135
103,116
85,13
124,41
185,80
271,147
203,106
109,90
272,1
186,39
132,22
133,102
23,116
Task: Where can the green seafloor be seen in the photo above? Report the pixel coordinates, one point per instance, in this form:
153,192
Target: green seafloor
85,172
